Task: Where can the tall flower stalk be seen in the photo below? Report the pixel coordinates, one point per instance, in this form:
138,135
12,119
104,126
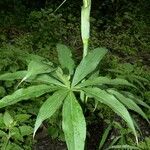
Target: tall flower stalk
85,25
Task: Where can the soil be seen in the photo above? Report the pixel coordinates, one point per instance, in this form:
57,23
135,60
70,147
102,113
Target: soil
45,142
94,132
48,144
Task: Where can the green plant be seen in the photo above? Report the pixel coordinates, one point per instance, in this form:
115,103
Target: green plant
132,73
66,87
47,25
13,131
144,145
116,142
70,88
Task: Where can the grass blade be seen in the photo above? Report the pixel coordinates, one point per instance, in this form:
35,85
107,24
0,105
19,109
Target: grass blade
104,137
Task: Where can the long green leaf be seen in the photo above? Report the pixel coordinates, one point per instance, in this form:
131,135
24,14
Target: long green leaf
115,140
129,103
136,99
49,107
113,103
73,124
13,76
8,119
65,58
104,136
138,82
88,64
140,78
44,78
37,67
25,94
104,80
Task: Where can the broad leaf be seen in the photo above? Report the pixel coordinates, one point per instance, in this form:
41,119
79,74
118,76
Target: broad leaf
60,76
13,76
15,133
88,64
104,80
47,79
128,102
73,124
37,67
25,130
11,146
2,134
21,117
65,58
49,107
32,57
8,119
25,94
113,103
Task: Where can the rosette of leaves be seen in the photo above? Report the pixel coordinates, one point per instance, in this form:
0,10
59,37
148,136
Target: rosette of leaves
65,84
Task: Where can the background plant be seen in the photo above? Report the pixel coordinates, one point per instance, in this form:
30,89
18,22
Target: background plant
14,131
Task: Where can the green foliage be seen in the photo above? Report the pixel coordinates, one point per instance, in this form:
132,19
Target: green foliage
105,136
89,63
25,94
131,73
13,131
123,140
49,107
74,125
65,59
143,145
47,28
9,61
2,91
113,103
66,87
121,26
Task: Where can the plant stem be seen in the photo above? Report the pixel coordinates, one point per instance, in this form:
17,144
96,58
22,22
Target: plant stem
85,25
